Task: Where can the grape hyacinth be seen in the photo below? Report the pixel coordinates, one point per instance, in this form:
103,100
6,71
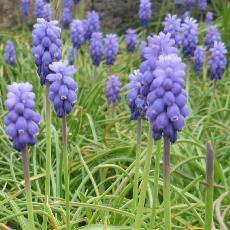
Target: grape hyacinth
49,12
202,5
9,54
21,121
189,4
217,61
185,15
142,47
112,89
212,36
190,36
145,12
66,17
25,7
172,25
199,59
46,46
71,56
209,18
40,9
111,47
77,33
96,48
91,24
130,40
63,87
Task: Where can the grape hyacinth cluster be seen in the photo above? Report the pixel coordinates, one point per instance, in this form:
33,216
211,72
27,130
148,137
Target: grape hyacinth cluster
77,33
212,36
202,5
40,10
190,36
66,16
112,89
145,12
142,47
46,46
21,121
217,61
209,18
25,7
111,47
96,48
91,24
63,87
172,25
71,56
9,54
130,40
189,4
199,59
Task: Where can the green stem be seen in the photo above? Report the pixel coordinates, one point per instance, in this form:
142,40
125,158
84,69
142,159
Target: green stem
145,177
137,163
209,189
166,188
28,189
48,153
66,171
156,180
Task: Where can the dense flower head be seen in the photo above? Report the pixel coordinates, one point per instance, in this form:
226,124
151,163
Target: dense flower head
167,100
63,87
189,4
212,36
208,18
112,89
96,48
9,54
40,10
21,121
25,7
172,25
217,61
66,17
131,40
199,59
111,47
145,12
91,24
142,47
77,33
202,4
190,36
71,56
46,46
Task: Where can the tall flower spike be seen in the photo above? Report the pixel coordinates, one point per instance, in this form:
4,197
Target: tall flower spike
71,56
130,40
217,61
212,36
46,46
96,48
49,12
9,54
63,87
199,59
66,17
190,36
202,5
25,7
142,47
189,4
172,25
167,100
91,24
21,121
145,12
77,33
40,10
112,89
111,47
209,18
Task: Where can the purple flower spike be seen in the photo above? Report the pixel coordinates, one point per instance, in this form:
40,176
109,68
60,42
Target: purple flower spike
111,47
202,5
185,15
63,87
209,18
91,24
46,46
9,54
96,48
212,36
21,121
199,59
145,12
190,36
40,10
172,25
71,56
189,4
142,47
77,33
112,89
66,17
130,40
167,101
217,61
25,7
